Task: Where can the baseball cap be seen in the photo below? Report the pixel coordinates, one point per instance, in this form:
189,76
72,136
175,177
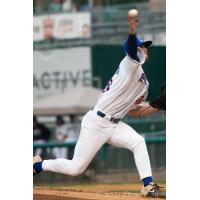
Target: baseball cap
141,42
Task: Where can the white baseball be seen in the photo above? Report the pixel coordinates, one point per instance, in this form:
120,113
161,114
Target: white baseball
133,13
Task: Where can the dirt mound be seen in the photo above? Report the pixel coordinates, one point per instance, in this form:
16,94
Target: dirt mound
85,192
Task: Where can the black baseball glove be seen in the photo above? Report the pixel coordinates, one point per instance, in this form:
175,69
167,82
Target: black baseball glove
160,101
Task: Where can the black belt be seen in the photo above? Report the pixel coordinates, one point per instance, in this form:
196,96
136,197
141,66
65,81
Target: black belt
112,119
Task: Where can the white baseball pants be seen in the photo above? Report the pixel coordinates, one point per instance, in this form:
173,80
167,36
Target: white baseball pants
95,132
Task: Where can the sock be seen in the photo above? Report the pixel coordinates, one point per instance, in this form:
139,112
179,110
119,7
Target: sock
147,180
38,166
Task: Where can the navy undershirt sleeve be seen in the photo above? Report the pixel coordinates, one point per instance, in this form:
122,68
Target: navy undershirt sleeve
132,47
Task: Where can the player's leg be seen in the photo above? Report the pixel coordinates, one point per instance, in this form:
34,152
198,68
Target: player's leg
126,137
91,139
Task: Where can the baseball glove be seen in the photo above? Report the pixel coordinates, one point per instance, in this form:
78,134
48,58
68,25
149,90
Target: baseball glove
160,101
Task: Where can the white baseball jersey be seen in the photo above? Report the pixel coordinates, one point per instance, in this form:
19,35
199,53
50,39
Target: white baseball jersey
126,90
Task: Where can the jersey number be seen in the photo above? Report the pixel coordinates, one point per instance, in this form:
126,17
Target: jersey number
139,100
108,85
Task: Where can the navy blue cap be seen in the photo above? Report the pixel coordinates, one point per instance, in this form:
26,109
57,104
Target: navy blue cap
141,42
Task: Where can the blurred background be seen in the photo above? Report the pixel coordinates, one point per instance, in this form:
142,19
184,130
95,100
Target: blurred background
77,46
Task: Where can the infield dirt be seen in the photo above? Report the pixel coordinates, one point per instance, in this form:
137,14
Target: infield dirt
90,192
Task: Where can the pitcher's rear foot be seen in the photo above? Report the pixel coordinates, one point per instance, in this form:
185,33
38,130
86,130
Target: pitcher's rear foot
153,190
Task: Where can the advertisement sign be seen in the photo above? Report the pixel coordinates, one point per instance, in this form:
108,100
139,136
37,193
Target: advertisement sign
62,26
59,69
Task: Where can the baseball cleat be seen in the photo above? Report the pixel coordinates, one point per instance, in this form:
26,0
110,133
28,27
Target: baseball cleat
153,190
36,159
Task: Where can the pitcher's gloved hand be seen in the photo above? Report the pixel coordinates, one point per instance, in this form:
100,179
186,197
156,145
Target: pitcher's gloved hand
160,101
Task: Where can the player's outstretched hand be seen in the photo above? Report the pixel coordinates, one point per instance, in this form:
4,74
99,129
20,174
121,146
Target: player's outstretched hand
133,20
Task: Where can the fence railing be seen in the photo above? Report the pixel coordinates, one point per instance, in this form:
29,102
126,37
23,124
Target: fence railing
52,144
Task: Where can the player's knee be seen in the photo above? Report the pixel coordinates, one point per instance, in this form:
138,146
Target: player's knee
76,172
77,169
141,141
138,143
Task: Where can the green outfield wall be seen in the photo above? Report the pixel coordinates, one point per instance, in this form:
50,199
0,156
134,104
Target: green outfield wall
106,59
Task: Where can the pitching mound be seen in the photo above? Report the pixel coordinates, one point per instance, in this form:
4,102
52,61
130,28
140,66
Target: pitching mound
96,192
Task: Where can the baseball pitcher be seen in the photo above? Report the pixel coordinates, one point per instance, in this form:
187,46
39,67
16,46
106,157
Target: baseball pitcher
125,93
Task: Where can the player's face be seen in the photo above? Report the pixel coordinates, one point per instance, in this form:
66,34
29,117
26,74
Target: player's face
145,52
